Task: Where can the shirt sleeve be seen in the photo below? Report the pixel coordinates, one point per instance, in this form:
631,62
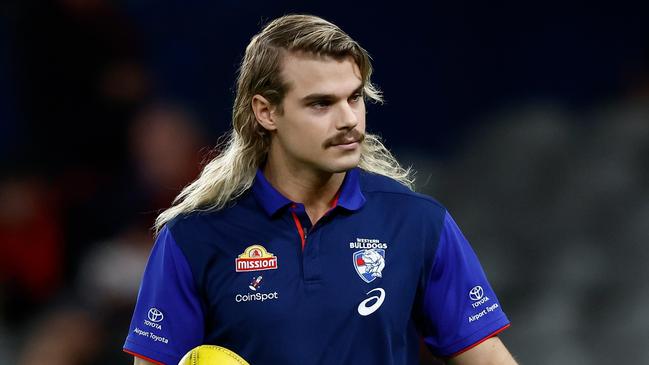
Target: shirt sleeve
460,308
168,317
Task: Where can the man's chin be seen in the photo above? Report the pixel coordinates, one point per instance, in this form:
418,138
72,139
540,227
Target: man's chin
343,166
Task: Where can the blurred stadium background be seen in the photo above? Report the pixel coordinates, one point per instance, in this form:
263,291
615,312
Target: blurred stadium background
529,121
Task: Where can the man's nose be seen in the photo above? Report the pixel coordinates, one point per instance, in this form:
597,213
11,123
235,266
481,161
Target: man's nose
348,118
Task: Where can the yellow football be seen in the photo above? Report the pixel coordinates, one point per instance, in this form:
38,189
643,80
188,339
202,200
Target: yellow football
211,355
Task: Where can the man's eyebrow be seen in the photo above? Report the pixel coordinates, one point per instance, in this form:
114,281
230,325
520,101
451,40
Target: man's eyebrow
317,97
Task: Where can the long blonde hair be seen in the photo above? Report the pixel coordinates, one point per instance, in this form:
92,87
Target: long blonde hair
244,150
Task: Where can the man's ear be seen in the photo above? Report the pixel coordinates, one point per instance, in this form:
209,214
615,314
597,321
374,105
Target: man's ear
264,112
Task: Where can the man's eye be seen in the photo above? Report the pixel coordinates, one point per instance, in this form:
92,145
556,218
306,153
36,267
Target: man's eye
319,104
356,97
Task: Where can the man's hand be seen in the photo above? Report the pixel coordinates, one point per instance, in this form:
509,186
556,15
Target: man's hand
490,352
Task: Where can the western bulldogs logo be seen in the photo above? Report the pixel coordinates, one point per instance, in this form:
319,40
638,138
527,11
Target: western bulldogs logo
369,264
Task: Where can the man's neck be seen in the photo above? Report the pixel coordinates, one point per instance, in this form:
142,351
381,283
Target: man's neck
314,189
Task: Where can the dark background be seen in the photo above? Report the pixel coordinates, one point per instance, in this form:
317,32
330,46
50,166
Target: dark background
528,120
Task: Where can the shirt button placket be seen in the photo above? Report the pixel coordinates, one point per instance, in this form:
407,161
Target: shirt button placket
310,261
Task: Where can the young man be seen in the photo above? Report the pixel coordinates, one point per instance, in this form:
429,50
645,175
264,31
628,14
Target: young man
302,243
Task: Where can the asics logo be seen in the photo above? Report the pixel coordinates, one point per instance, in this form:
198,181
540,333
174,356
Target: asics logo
364,309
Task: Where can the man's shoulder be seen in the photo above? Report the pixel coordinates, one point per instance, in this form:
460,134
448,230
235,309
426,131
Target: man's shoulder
194,222
386,187
188,219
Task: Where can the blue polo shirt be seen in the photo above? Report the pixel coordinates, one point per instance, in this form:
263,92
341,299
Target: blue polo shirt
383,268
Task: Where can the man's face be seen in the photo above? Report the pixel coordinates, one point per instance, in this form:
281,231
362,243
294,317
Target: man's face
323,120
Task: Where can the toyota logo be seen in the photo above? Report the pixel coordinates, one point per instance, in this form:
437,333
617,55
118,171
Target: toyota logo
155,315
476,293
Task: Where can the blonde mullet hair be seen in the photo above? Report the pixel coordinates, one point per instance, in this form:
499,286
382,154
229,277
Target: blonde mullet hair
232,172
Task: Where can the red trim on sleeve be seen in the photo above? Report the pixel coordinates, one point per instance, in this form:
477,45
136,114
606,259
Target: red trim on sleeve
142,357
481,341
300,230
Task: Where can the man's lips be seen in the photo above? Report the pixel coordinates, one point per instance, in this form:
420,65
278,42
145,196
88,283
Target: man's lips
346,143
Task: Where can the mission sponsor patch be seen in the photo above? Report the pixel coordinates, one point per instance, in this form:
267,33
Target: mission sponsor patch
255,258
